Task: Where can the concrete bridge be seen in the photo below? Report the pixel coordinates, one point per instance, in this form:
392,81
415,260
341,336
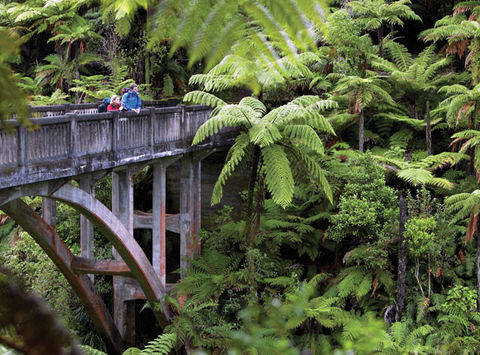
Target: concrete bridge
70,143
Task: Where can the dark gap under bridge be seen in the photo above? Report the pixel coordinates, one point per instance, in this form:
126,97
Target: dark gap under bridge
72,142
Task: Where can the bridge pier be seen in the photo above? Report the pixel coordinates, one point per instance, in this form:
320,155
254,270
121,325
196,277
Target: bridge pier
87,184
190,206
159,222
49,211
122,207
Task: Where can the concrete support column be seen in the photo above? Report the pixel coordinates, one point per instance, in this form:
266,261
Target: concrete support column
87,184
159,221
49,211
190,209
197,196
122,206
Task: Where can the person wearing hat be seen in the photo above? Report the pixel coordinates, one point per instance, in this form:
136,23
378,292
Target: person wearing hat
131,100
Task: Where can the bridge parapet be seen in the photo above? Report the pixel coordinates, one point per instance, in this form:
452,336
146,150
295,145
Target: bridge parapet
88,108
72,144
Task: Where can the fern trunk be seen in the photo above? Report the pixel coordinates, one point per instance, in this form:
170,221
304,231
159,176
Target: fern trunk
251,190
428,130
402,259
77,68
478,271
361,130
380,41
257,213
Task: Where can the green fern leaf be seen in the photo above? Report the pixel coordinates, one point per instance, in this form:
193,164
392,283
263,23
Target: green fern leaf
278,175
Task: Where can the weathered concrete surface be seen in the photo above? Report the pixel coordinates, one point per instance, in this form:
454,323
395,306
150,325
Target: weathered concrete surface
72,144
100,267
58,252
122,207
112,229
87,184
83,147
144,220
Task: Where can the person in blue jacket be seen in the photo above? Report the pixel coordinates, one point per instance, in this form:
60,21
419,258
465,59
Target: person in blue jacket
131,100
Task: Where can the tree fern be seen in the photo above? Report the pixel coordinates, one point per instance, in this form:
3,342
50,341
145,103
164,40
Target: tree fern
291,127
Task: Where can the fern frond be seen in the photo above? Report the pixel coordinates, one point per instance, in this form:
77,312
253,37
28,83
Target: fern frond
441,160
264,134
227,116
315,171
162,345
400,55
254,104
305,135
278,175
203,98
88,350
400,139
415,176
239,151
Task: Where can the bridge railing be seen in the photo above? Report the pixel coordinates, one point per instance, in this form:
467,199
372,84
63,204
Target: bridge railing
88,108
71,144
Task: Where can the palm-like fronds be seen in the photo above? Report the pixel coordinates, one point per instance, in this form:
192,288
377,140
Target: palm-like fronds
372,13
235,71
264,31
460,107
286,132
364,90
237,153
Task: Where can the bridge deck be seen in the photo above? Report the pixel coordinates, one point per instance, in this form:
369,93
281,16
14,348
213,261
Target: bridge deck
73,144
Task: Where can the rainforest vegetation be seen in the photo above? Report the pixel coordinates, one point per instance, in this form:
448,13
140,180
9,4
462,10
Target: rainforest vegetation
358,130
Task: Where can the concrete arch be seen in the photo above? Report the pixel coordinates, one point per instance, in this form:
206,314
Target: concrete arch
100,216
61,256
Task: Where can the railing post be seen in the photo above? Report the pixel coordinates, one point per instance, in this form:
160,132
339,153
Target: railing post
152,130
72,154
66,108
115,126
23,150
183,127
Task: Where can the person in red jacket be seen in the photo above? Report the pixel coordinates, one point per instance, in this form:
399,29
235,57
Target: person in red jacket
114,104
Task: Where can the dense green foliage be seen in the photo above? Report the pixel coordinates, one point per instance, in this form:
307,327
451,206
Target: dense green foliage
313,261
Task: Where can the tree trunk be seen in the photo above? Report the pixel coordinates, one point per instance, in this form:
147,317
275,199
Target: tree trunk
428,130
402,259
77,68
380,41
361,131
252,221
478,270
257,213
148,60
251,190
